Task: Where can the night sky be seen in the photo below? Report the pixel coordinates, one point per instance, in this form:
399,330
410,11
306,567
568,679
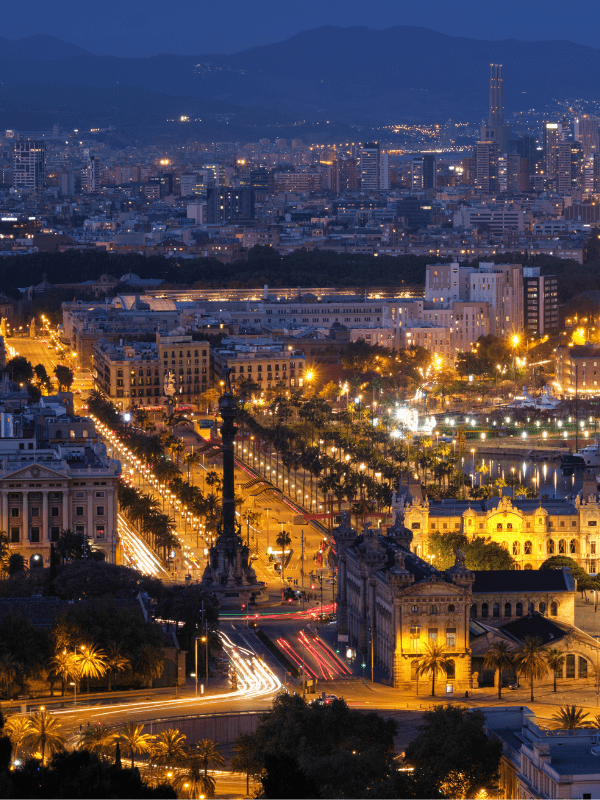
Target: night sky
147,27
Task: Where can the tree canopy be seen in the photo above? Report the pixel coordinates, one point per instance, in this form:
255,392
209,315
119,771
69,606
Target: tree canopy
480,553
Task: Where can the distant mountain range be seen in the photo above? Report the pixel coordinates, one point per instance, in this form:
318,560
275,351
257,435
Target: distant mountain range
352,75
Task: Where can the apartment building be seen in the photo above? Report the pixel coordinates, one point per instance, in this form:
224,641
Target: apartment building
267,364
135,374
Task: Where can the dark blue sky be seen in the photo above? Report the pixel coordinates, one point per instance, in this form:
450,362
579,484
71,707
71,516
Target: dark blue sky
147,27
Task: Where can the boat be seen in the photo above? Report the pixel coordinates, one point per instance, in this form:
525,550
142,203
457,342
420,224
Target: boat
590,455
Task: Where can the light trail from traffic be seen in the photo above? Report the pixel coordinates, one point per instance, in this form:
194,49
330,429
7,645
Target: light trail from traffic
137,551
255,680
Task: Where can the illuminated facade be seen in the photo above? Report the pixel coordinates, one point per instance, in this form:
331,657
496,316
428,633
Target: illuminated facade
530,531
29,165
392,603
578,369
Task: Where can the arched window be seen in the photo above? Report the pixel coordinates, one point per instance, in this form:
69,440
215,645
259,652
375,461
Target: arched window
507,610
433,609
550,547
554,609
530,608
450,670
528,566
542,608
58,434
484,610
583,670
573,546
85,434
72,434
570,665
496,610
519,610
505,545
562,546
516,549
474,611
527,548
451,608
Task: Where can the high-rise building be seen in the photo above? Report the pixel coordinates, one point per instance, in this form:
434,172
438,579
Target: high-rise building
540,301
347,174
552,139
496,130
164,181
486,167
91,175
517,174
29,165
423,172
587,132
226,203
374,168
569,171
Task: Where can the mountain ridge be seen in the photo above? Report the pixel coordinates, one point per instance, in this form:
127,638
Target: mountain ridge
352,74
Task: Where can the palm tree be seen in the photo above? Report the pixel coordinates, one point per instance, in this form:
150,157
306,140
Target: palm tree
116,661
499,657
134,738
92,663
149,663
283,539
433,661
168,748
530,660
63,665
43,734
245,758
98,739
16,728
568,718
193,781
555,658
190,460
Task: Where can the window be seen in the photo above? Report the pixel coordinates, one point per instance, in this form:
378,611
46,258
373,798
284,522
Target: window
416,526
415,635
15,535
450,637
99,511
450,670
484,610
582,665
570,664
542,608
432,634
507,610
593,548
433,610
35,512
79,511
516,549
573,546
496,610
100,531
530,608
35,534
554,609
15,512
99,494
550,547
562,546
499,526
54,511
451,608
54,534
414,609
473,612
519,610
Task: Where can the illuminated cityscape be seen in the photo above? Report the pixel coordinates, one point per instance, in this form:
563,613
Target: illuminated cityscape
299,403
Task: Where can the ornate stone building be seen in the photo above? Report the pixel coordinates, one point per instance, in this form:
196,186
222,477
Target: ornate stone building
530,530
391,602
